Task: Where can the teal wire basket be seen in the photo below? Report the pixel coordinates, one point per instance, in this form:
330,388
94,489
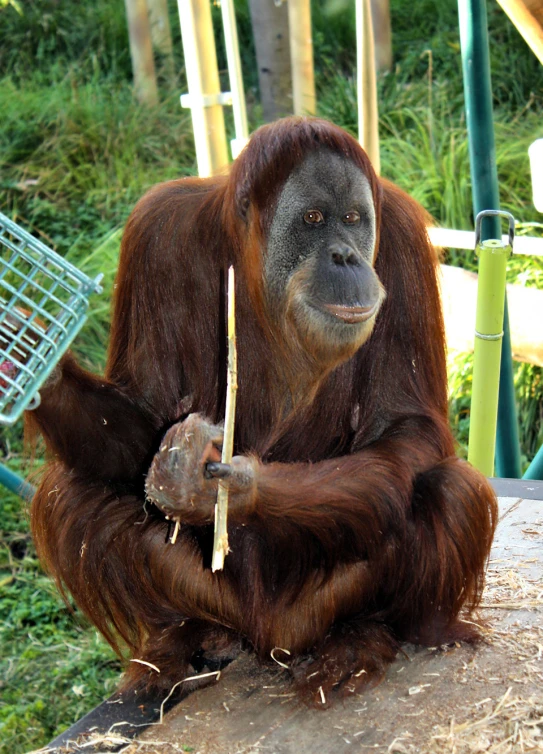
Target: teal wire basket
43,305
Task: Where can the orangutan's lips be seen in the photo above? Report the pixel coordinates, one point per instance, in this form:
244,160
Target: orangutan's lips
352,314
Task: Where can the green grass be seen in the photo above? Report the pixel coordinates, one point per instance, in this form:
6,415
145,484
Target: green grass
76,156
53,666
76,152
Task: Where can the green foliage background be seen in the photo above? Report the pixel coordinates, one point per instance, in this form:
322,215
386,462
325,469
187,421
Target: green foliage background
76,152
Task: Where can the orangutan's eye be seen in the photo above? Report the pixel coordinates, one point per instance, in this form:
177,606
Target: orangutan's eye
351,218
313,217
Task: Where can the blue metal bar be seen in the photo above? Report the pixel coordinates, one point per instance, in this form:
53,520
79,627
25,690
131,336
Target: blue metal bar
14,483
484,176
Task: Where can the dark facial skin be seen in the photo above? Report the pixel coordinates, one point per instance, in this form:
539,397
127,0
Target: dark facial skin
319,260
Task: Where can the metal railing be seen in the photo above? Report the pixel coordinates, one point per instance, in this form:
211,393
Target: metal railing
43,305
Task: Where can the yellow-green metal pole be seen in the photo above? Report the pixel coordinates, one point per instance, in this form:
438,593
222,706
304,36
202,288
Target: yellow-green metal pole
493,257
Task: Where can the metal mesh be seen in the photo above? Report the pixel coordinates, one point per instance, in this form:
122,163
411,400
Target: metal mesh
43,305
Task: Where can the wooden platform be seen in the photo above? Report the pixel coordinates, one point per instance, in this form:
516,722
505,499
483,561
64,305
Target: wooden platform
462,699
527,16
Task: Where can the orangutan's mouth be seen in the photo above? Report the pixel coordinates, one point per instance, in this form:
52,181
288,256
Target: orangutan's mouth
352,314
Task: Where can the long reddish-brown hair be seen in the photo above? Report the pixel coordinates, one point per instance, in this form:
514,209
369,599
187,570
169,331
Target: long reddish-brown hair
230,218
366,528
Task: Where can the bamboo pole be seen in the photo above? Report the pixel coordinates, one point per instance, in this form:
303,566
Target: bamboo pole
493,256
235,76
220,541
368,114
204,99
161,35
141,52
301,57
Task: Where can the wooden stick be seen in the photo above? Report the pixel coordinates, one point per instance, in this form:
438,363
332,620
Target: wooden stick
220,542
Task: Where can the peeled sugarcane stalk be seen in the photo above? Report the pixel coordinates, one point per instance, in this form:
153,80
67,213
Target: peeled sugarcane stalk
220,541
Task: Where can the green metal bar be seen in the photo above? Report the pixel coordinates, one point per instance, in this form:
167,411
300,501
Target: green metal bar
493,257
484,176
535,469
14,483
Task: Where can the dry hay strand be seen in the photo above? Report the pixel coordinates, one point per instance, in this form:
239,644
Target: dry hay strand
508,589
512,725
105,743
513,722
